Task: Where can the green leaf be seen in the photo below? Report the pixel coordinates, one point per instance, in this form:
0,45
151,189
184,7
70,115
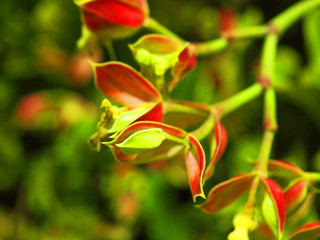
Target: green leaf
142,140
269,214
126,118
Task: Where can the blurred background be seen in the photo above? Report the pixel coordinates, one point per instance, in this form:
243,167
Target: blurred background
53,187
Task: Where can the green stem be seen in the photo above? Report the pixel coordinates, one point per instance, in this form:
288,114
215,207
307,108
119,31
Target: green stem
112,54
268,56
265,151
284,20
153,25
207,48
205,129
221,43
226,106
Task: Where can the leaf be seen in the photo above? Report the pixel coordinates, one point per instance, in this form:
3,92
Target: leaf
307,231
186,62
142,140
166,150
113,19
277,197
124,119
123,84
218,145
227,192
285,169
196,164
295,194
138,114
184,114
269,213
157,52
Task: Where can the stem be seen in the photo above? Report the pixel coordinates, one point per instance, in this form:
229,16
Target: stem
226,106
207,48
221,43
265,151
112,54
205,129
292,14
153,25
268,57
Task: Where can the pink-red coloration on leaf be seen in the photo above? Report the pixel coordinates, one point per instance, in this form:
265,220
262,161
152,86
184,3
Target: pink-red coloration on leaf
279,167
227,192
218,146
295,194
221,139
155,114
306,232
164,152
275,192
124,85
196,164
186,62
114,18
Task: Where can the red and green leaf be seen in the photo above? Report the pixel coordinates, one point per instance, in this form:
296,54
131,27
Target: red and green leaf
114,18
186,62
285,169
295,194
184,114
227,192
124,85
166,150
196,164
278,203
218,145
308,231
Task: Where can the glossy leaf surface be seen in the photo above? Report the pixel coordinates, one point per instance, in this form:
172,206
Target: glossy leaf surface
113,18
295,194
277,197
164,151
142,140
196,164
123,84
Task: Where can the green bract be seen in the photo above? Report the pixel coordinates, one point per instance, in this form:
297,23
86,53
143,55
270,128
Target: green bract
142,140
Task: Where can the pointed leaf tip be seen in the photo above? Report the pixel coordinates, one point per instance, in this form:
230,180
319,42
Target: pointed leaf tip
227,192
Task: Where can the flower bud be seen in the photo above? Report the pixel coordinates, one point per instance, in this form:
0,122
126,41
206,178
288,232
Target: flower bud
113,19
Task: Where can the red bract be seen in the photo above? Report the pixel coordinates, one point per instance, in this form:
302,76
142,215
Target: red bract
275,193
308,231
295,194
145,142
196,164
113,18
160,53
227,192
283,168
124,85
218,145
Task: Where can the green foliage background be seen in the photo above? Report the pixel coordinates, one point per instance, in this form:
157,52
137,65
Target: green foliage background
53,187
